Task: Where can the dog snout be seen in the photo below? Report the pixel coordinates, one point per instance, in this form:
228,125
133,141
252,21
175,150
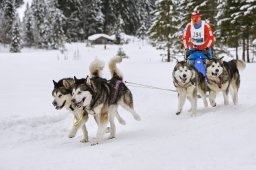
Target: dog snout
184,75
54,103
73,100
217,70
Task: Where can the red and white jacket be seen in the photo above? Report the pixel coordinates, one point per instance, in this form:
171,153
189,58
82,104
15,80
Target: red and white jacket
202,37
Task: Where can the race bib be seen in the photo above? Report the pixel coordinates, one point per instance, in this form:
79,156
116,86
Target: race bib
197,35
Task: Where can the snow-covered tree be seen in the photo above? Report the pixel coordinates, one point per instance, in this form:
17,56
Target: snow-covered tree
9,12
28,36
164,27
16,42
57,34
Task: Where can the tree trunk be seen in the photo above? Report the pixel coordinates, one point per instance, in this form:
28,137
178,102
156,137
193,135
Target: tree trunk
243,54
248,49
237,50
168,54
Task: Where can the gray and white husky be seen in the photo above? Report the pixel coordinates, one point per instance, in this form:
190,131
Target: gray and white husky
188,82
62,94
223,77
103,97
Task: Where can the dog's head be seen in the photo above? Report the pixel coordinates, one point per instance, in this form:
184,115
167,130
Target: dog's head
82,92
183,72
214,67
62,93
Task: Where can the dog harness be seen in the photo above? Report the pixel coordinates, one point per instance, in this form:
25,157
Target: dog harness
117,85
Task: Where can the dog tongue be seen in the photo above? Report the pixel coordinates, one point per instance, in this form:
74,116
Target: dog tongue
80,104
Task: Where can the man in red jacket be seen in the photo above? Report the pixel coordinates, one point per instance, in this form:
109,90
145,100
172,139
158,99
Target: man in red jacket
198,35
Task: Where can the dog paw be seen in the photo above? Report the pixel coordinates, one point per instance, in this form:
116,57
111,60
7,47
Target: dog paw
177,113
111,137
94,143
122,122
137,118
84,140
72,133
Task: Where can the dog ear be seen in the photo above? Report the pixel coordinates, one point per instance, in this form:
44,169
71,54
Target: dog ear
66,84
88,80
55,83
75,79
221,58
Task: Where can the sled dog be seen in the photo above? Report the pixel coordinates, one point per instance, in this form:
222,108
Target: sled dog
188,82
62,94
103,97
223,77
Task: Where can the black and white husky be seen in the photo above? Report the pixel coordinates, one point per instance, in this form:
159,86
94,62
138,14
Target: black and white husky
102,97
224,77
188,82
62,94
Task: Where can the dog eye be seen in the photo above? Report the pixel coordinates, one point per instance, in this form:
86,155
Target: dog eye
79,93
60,96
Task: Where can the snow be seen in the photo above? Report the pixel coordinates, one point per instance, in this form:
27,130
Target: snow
34,136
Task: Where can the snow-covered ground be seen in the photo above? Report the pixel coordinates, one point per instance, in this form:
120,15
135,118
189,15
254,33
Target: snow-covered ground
34,136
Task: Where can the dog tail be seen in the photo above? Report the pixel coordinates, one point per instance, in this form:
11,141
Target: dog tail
113,68
96,68
240,64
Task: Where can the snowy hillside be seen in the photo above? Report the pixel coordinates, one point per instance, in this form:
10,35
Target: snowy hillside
34,136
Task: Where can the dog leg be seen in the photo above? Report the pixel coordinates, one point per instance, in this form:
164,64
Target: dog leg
120,119
234,93
102,125
212,97
130,109
182,98
203,95
85,132
112,113
77,125
194,105
189,99
225,96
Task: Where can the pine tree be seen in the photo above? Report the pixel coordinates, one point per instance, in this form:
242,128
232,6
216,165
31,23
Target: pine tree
56,19
164,25
91,17
42,34
9,12
28,36
16,41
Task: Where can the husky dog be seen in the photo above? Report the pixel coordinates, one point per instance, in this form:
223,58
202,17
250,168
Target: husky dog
62,94
223,77
103,97
188,82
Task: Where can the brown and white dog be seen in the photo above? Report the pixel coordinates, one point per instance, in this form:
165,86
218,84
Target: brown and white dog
102,97
224,77
188,82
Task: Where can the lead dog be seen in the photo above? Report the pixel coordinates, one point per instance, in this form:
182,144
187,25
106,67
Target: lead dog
188,82
224,77
62,94
103,97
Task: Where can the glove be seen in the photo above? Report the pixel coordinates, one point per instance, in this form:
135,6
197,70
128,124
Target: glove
195,47
205,52
187,52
